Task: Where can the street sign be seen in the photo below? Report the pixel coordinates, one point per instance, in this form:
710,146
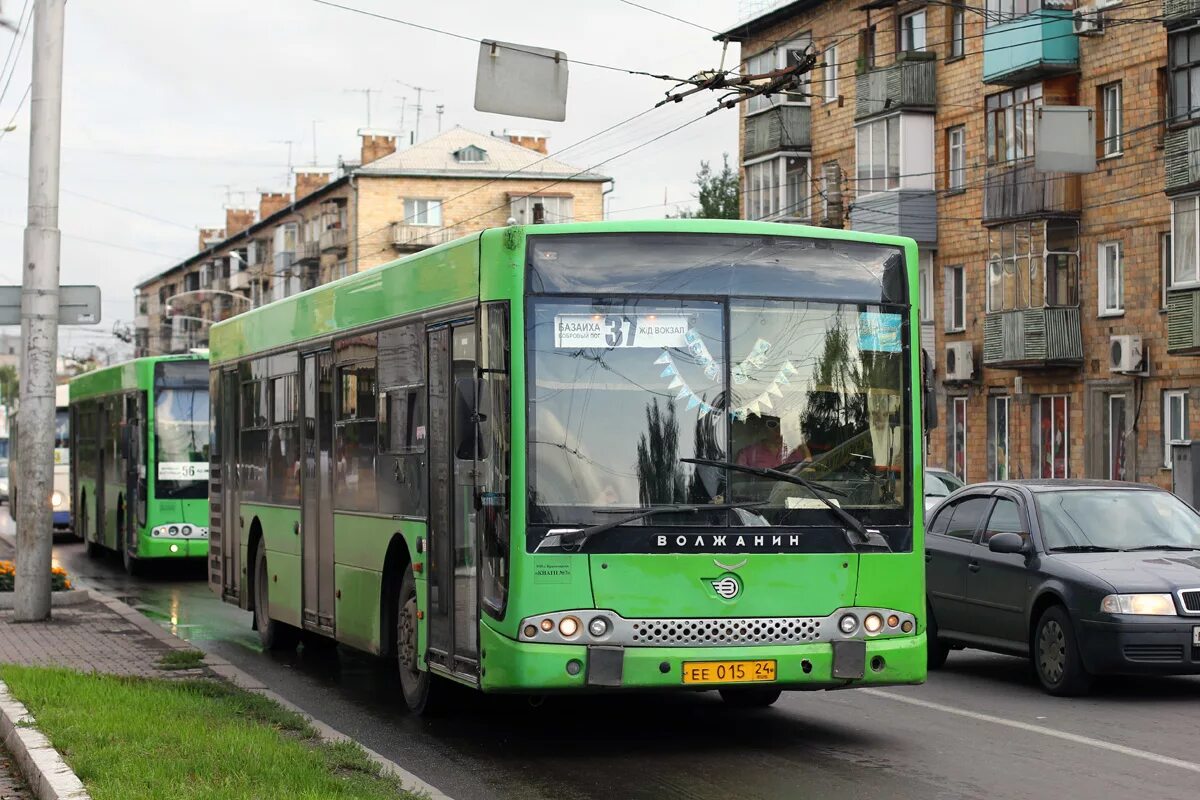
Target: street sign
521,81
77,305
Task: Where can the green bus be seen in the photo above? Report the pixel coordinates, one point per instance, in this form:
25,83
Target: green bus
667,455
139,465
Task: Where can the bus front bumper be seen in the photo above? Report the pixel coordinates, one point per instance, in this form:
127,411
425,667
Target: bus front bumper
160,544
509,665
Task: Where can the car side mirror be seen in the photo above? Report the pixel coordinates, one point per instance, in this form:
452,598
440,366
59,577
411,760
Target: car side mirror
1006,543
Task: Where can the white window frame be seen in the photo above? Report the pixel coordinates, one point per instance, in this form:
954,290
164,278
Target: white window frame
958,29
1112,119
956,312
423,211
1185,210
956,161
888,181
1113,442
1164,265
958,412
925,285
994,402
556,208
912,35
780,205
1110,270
768,61
831,74
1066,442
1169,396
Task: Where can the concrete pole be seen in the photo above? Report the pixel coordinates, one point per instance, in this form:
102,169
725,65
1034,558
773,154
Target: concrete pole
39,319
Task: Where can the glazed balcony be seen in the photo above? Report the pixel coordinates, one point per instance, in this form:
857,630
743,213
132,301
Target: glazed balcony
1017,191
1038,45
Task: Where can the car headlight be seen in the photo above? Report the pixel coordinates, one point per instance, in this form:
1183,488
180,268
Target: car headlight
56,498
1160,605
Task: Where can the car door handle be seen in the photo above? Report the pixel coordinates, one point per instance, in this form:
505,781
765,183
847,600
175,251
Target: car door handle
973,566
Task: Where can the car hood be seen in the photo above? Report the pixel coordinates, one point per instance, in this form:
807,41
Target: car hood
1149,571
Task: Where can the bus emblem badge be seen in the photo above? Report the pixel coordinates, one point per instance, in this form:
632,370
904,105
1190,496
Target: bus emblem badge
727,587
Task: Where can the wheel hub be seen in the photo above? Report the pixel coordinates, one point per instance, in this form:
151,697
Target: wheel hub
1052,651
406,635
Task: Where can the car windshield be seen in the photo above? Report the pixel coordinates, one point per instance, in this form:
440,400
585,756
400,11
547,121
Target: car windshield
1120,519
936,485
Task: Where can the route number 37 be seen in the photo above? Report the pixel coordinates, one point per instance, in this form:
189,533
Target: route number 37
621,331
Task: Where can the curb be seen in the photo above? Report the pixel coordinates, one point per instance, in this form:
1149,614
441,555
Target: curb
243,680
70,597
44,770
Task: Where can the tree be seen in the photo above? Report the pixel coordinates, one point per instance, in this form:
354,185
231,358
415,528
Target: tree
718,193
660,480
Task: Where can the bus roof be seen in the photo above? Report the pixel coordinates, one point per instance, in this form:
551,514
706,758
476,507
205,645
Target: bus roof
135,374
450,274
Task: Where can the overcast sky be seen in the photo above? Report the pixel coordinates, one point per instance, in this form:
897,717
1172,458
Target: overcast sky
172,109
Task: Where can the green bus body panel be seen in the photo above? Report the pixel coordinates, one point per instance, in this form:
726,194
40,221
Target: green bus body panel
279,526
136,375
490,266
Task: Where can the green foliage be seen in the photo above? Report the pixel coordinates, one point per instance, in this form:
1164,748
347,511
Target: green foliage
718,193
181,659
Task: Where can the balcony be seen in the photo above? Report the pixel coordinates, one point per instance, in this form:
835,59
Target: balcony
1181,159
334,240
308,253
910,83
1033,337
1176,11
239,280
1016,191
900,212
783,128
1183,321
1038,45
418,237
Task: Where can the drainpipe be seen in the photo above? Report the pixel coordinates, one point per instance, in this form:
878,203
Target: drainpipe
612,184
354,219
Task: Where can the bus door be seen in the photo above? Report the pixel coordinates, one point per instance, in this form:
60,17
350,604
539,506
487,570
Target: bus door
135,461
453,591
225,536
317,491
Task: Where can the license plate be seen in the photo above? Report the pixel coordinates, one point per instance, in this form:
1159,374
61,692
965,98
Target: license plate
728,671
1196,635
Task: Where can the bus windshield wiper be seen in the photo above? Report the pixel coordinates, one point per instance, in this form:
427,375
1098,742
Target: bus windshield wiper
1082,548
1173,547
565,537
858,535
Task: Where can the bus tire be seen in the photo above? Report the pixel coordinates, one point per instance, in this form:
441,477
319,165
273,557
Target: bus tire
272,634
936,650
757,697
421,690
133,565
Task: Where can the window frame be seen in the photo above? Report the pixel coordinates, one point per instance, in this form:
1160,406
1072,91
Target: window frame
998,12
956,175
866,186
1189,70
954,289
779,203
1001,111
993,418
412,214
1167,396
1039,461
1110,267
831,74
958,405
1176,252
925,285
1164,266
908,34
778,60
957,35
1115,446
1111,144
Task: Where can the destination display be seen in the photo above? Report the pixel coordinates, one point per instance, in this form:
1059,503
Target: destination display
183,471
620,330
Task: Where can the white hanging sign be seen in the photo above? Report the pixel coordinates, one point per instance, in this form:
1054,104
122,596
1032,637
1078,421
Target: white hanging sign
620,330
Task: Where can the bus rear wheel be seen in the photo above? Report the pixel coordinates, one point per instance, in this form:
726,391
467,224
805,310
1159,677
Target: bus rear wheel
272,634
758,697
421,690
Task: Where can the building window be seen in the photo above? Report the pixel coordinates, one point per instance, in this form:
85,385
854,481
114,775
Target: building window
1184,218
1001,11
878,155
777,188
956,158
1112,286
958,28
1111,124
471,155
1114,435
925,281
1164,262
956,298
1010,123
998,408
1033,265
912,31
1184,65
958,437
831,74
1051,436
1174,421
420,211
774,59
540,210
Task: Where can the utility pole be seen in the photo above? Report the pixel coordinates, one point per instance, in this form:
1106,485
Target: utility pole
39,318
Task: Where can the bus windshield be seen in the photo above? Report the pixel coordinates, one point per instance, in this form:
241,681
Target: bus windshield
621,389
181,438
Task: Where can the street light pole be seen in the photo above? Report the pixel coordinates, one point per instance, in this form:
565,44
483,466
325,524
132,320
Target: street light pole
39,319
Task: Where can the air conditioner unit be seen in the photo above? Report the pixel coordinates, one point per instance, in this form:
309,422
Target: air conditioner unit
1125,354
1102,4
1088,21
960,361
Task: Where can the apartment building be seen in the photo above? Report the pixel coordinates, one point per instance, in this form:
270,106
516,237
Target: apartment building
386,204
1062,310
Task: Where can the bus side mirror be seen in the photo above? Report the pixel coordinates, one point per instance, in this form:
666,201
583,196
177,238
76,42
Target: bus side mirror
928,401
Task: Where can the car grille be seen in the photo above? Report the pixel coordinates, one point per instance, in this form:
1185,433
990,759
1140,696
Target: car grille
744,631
1191,600
1154,652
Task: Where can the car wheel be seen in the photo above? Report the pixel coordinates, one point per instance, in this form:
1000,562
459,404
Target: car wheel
423,693
758,697
272,634
1056,657
937,651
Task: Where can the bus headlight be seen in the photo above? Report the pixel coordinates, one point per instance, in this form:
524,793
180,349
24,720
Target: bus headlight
174,531
568,627
186,530
848,624
56,498
873,623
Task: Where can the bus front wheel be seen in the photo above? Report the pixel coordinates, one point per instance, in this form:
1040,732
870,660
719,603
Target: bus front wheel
272,634
420,688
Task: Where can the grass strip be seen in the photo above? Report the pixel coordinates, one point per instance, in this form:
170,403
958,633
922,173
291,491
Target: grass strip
181,659
133,738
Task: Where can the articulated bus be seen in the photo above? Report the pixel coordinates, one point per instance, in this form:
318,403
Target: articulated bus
140,469
669,455
60,495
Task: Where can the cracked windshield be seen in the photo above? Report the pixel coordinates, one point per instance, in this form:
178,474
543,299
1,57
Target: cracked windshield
621,390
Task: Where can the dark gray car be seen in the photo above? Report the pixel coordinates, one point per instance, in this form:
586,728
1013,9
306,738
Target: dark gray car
1085,577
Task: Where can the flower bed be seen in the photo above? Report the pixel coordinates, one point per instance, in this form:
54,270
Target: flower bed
59,582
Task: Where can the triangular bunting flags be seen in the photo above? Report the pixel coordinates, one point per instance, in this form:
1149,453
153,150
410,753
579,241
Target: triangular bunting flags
669,369
665,358
676,382
775,390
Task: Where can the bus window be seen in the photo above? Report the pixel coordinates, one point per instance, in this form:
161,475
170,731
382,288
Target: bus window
403,422
355,439
495,436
